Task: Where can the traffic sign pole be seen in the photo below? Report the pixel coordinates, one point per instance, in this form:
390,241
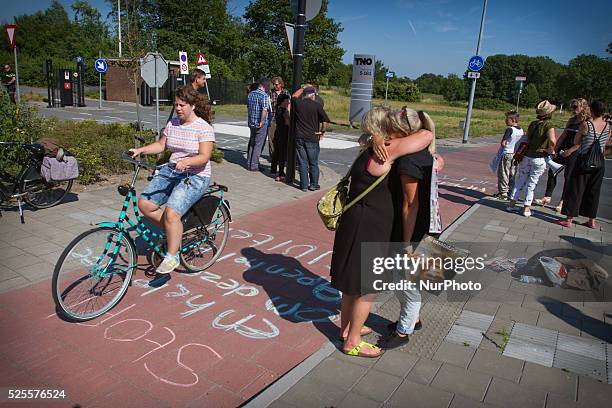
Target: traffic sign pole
100,100
156,99
468,117
386,89
17,91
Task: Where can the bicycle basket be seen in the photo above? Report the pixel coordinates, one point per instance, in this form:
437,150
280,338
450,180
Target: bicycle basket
201,213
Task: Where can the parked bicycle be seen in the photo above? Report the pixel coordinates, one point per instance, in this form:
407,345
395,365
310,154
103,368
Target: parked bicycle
95,270
22,181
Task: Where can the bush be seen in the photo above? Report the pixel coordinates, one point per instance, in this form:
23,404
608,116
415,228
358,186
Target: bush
494,104
406,92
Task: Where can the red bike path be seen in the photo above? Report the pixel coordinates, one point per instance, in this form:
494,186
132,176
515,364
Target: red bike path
216,338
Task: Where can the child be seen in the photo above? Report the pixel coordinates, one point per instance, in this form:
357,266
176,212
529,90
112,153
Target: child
506,168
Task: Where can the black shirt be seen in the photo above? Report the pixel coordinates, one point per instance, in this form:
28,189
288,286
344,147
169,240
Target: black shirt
308,117
418,165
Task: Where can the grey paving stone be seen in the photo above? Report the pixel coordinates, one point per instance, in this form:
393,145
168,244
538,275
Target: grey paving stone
560,401
508,394
395,363
482,306
528,288
19,261
424,371
517,313
471,384
593,393
418,395
377,385
10,251
564,325
36,272
339,374
542,304
596,329
548,379
495,228
309,393
13,283
353,400
365,362
492,363
463,402
44,249
457,354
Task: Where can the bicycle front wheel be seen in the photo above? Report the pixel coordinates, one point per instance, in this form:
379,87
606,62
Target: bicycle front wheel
43,194
202,246
93,273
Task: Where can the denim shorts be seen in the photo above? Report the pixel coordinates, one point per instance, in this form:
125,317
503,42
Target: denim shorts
169,187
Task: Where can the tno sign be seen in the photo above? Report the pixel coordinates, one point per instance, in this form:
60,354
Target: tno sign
361,86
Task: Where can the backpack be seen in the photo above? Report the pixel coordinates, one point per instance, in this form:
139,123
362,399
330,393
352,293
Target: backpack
593,159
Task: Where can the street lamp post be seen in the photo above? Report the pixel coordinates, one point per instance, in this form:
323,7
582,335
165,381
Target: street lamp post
468,117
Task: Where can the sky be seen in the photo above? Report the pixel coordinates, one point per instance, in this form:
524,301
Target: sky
439,36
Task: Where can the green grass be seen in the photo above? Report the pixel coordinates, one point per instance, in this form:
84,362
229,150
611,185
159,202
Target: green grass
445,115
505,335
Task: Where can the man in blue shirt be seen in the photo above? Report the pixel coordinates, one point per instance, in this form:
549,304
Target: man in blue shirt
258,107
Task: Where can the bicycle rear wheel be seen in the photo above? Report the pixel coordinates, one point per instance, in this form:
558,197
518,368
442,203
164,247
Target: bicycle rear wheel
203,245
93,273
43,194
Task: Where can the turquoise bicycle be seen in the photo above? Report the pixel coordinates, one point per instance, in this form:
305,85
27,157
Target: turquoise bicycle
95,270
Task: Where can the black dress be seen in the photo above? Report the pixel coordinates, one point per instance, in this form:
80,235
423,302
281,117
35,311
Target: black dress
369,220
417,165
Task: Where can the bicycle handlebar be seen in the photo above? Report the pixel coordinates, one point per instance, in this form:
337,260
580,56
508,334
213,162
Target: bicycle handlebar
125,156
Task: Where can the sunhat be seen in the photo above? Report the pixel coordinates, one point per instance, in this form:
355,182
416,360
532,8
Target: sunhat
545,108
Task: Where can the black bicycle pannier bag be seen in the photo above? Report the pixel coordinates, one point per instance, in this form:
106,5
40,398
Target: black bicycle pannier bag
201,213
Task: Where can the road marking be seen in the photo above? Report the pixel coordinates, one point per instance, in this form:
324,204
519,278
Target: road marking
114,117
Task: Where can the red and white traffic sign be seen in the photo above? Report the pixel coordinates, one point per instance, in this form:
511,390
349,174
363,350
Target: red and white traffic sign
183,62
520,78
201,59
10,30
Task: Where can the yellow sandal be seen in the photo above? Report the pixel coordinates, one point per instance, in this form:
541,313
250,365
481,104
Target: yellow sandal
356,351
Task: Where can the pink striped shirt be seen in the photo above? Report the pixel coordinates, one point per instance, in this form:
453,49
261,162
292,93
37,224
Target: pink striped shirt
184,141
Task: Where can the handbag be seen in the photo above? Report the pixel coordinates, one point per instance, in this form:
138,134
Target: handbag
52,169
593,159
334,203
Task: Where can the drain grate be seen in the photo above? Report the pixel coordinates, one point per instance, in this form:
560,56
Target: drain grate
581,365
464,335
530,351
474,320
534,334
581,346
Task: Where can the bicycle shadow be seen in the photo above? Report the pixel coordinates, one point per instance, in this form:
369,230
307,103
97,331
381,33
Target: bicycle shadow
297,294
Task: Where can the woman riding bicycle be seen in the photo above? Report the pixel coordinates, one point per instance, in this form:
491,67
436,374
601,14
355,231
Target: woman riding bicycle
185,179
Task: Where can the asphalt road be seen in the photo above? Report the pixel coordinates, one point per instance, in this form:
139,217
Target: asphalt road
339,159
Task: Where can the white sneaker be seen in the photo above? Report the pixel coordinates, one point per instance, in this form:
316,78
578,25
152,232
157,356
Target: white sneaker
169,264
527,212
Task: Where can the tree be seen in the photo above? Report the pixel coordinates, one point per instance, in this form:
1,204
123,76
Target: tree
430,83
265,20
587,76
530,96
454,89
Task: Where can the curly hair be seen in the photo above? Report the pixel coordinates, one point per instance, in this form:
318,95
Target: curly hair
584,112
202,109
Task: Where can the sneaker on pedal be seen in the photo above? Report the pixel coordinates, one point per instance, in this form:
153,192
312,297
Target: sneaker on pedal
169,264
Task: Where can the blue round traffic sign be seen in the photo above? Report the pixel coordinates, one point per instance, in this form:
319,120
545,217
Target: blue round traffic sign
183,57
79,59
476,63
101,65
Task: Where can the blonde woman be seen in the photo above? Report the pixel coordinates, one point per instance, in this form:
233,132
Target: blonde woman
413,207
581,113
540,144
369,220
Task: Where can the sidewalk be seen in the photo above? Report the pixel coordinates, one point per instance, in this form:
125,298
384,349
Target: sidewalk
511,345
